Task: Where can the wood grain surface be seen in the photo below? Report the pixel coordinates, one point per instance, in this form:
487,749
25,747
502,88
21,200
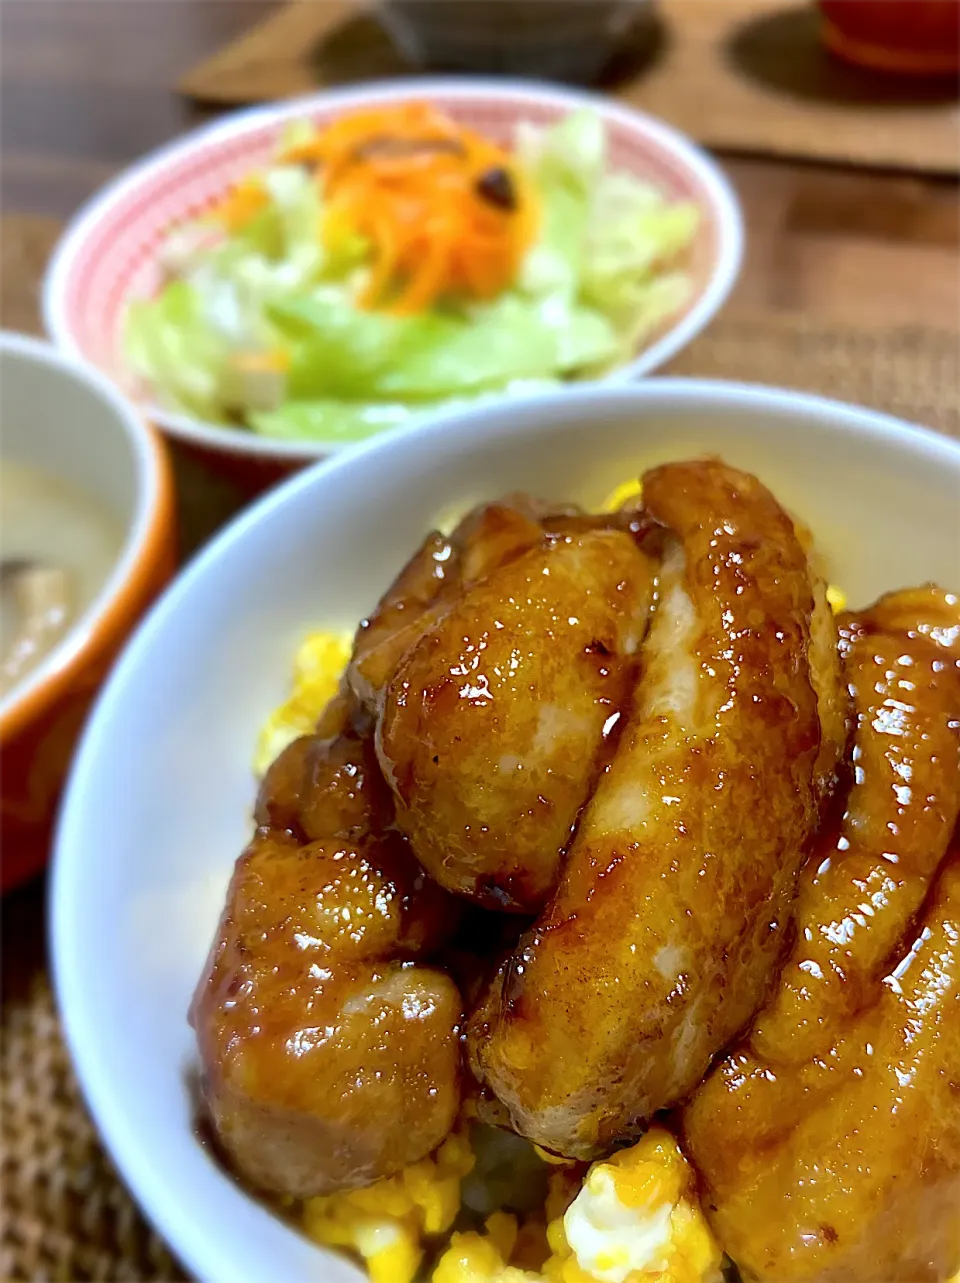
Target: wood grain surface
749,75
86,86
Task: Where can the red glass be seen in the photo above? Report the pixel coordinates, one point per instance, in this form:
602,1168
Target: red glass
912,37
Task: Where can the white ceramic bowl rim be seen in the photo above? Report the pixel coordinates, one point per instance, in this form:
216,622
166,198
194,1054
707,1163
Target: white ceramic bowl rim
145,498
192,1239
729,222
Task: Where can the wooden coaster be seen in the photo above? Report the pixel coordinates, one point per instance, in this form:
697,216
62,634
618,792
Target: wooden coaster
740,75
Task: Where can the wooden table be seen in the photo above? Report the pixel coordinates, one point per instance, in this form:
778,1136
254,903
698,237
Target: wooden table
86,88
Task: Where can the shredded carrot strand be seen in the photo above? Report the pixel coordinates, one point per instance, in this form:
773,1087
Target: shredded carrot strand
444,209
241,204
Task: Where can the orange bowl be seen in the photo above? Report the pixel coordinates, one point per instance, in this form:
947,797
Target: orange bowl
907,37
68,422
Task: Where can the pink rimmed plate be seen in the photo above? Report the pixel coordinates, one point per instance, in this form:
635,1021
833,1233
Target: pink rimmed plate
108,256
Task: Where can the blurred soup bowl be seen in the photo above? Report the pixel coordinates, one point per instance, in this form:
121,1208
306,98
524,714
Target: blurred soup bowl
553,39
67,423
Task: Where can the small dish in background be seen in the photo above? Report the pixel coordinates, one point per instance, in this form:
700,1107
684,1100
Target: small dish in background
915,38
555,39
88,541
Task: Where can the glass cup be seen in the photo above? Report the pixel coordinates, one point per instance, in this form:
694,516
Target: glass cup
906,37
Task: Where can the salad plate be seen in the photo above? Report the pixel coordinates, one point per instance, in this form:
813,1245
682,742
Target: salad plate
208,283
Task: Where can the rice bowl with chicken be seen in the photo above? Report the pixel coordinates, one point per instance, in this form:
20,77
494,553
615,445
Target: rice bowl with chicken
485,611
419,1075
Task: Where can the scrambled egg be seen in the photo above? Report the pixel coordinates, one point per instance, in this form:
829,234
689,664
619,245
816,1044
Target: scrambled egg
619,496
386,1222
317,668
634,1219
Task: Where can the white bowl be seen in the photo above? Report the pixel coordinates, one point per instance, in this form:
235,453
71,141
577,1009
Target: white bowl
108,254
158,806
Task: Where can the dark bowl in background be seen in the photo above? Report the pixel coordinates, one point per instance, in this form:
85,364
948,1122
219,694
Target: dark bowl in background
570,40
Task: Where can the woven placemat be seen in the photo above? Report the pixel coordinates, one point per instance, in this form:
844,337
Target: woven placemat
907,370
25,244
66,1215
741,75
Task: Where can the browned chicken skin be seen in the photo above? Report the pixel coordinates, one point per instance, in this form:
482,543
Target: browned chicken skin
329,783
429,585
829,1142
330,1055
329,1016
493,723
442,568
670,915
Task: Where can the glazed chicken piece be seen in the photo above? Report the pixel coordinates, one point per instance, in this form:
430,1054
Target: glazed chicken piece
430,583
441,569
900,814
828,1143
328,783
493,724
926,611
670,915
329,1050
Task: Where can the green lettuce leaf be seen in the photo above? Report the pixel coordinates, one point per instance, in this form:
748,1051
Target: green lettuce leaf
565,164
340,350
169,343
329,420
345,422
263,322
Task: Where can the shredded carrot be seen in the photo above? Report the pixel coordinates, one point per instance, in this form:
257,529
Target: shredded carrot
241,204
444,209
